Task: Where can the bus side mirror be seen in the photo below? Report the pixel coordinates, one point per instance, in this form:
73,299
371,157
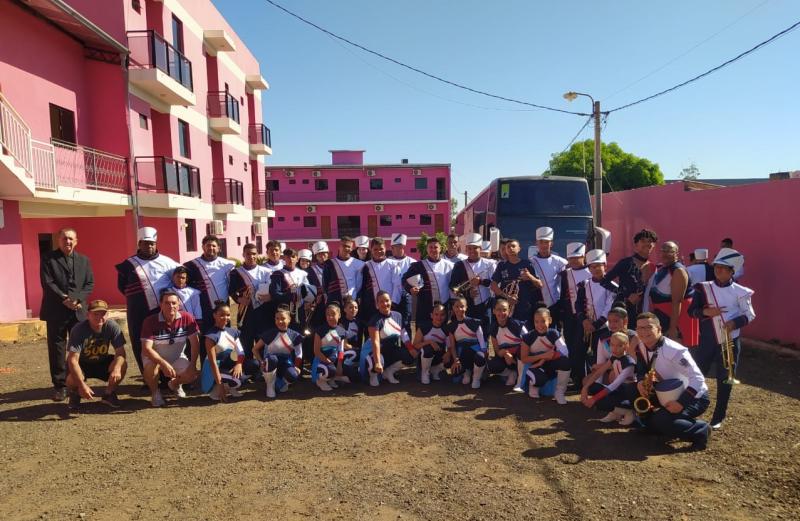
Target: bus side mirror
494,239
602,239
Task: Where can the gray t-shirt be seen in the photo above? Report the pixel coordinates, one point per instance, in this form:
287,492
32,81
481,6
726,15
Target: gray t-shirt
94,347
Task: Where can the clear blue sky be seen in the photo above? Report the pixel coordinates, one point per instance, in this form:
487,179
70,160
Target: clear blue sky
739,122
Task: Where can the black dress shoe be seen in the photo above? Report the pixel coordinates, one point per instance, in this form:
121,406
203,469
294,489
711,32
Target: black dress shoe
60,394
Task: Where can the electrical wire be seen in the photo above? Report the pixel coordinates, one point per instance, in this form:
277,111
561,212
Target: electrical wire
571,141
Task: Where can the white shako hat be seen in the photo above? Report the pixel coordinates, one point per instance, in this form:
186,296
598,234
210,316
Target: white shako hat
595,257
473,239
701,254
669,390
148,234
576,249
283,246
545,233
486,246
319,247
729,257
362,241
399,239
304,254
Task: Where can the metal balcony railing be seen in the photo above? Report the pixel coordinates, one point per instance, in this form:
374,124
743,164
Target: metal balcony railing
15,136
149,50
222,105
78,166
260,135
385,196
263,200
162,174
228,191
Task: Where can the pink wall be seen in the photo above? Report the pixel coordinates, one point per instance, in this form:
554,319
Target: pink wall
347,157
12,287
760,218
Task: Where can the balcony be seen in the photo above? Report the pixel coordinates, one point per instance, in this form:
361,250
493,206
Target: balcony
285,233
228,196
164,182
15,153
218,41
260,140
263,204
223,113
159,69
364,196
255,82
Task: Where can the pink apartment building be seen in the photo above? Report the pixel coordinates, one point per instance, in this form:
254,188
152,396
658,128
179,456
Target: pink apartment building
348,197
121,110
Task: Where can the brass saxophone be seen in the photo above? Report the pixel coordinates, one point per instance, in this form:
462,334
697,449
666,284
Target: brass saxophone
728,357
643,404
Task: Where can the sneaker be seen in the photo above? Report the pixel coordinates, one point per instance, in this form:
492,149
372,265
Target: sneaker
111,400
467,378
60,394
373,380
511,379
283,388
716,426
533,391
611,417
343,379
74,401
628,417
323,385
332,383
157,400
215,391
234,392
177,390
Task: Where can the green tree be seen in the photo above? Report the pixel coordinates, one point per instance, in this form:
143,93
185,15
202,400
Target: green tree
621,170
690,173
422,243
453,212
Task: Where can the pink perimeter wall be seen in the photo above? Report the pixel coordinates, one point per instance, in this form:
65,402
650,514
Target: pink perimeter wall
12,284
761,219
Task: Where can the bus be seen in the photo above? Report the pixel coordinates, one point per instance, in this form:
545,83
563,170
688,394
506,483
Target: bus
517,206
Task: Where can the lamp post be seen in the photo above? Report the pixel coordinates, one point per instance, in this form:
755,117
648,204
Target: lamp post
598,167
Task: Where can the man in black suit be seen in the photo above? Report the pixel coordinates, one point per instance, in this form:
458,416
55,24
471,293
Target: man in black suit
67,282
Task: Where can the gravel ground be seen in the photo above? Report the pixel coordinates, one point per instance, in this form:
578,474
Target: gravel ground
399,452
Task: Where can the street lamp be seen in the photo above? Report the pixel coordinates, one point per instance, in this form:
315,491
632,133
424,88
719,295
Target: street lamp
598,170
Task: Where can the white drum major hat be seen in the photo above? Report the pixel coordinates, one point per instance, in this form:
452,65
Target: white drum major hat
399,239
283,246
319,247
595,257
304,254
147,234
576,249
362,241
473,239
731,258
701,254
545,233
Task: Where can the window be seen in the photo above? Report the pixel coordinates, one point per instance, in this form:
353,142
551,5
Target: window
137,6
292,181
397,180
421,183
296,218
143,124
245,166
191,234
185,148
230,159
177,34
309,222
270,222
238,241
412,216
304,181
398,217
424,219
62,124
320,184
385,220
273,185
260,244
281,219
349,225
376,184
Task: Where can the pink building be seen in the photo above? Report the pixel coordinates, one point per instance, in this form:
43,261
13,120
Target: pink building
118,111
348,197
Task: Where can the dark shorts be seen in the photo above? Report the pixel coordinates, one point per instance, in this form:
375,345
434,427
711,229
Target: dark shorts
97,369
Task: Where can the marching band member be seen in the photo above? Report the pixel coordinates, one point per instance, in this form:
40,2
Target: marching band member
361,248
190,297
518,270
403,262
632,273
273,251
352,325
575,273
225,366
434,275
610,382
467,344
378,274
329,352
727,242
282,355
342,274
545,356
289,287
478,272
430,340
617,323
320,253
669,294
506,334
486,251
141,278
721,305
388,344
701,270
547,266
209,274
453,251
244,283
595,299
304,258
671,361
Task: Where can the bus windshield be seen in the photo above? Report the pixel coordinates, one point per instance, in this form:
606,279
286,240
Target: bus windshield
542,197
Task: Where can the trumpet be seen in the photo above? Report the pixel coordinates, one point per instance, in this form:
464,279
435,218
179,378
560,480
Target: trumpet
728,357
462,289
511,290
587,337
643,404
309,316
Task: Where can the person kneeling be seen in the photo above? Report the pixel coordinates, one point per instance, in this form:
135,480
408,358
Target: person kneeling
616,379
330,350
429,341
279,344
225,367
89,356
546,353
388,344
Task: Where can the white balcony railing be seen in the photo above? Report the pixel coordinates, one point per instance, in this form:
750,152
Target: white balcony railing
15,135
44,165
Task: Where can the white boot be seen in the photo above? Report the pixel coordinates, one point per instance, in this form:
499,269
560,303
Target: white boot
436,372
613,416
518,385
269,379
388,373
562,381
511,377
323,385
627,416
332,383
425,369
343,379
373,379
477,373
533,391
467,378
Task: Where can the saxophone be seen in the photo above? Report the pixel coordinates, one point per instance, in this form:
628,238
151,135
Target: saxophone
643,404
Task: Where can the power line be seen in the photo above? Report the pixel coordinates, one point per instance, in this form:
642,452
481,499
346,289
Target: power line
571,141
420,71
710,71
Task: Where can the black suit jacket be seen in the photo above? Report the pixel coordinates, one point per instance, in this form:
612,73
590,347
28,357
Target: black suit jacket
54,273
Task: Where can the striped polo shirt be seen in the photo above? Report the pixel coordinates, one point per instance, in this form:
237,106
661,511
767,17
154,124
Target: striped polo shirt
169,341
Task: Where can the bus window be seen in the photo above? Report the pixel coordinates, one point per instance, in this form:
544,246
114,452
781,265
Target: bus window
544,198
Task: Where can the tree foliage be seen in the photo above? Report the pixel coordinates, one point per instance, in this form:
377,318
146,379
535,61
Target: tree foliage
422,243
690,173
621,170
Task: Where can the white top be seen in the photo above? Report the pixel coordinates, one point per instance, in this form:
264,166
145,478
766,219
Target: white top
218,271
674,361
548,269
190,301
385,274
351,268
484,269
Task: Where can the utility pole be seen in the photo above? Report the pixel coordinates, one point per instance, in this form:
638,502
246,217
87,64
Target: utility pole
465,198
598,168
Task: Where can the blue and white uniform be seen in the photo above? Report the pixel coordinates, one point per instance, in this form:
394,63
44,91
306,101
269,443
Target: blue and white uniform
435,285
509,337
616,386
332,346
595,299
537,343
342,277
470,343
548,270
210,277
393,339
190,301
282,355
228,352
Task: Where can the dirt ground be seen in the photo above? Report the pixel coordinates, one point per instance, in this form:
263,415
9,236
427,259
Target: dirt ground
399,452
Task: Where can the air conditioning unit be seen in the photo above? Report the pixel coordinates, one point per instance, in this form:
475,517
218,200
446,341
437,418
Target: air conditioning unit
267,174
311,208
370,173
290,173
258,228
431,206
378,207
316,173
416,171
217,227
